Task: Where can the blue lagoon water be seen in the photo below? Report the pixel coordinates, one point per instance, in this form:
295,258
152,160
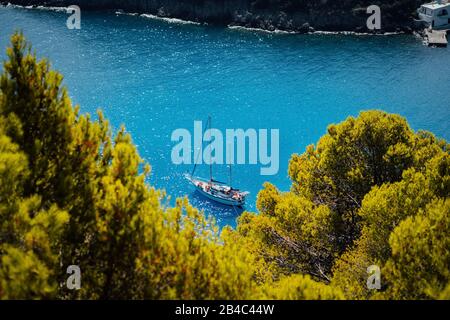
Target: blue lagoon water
154,77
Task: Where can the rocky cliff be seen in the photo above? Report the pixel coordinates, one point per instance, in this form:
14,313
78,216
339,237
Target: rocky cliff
289,15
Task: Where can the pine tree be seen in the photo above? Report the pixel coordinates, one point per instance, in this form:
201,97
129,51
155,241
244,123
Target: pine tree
349,193
74,195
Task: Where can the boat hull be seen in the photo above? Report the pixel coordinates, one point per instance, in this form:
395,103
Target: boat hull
220,200
215,196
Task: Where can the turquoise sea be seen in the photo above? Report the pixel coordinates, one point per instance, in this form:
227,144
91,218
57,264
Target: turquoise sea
155,76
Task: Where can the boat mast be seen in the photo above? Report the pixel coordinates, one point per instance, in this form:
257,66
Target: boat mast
200,150
230,175
210,150
229,162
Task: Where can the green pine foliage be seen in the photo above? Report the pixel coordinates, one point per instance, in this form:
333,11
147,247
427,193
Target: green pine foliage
371,192
71,194
418,267
365,179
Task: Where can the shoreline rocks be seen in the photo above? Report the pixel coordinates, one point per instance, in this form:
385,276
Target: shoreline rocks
301,16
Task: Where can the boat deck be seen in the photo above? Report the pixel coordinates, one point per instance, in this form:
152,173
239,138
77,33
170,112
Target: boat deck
436,37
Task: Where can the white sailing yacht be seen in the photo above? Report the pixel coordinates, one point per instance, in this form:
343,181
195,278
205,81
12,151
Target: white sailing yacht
216,190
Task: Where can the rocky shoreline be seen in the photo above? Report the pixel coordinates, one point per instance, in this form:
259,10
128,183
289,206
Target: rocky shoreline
301,16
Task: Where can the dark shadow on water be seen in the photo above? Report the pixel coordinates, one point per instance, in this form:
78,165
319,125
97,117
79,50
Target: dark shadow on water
223,214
